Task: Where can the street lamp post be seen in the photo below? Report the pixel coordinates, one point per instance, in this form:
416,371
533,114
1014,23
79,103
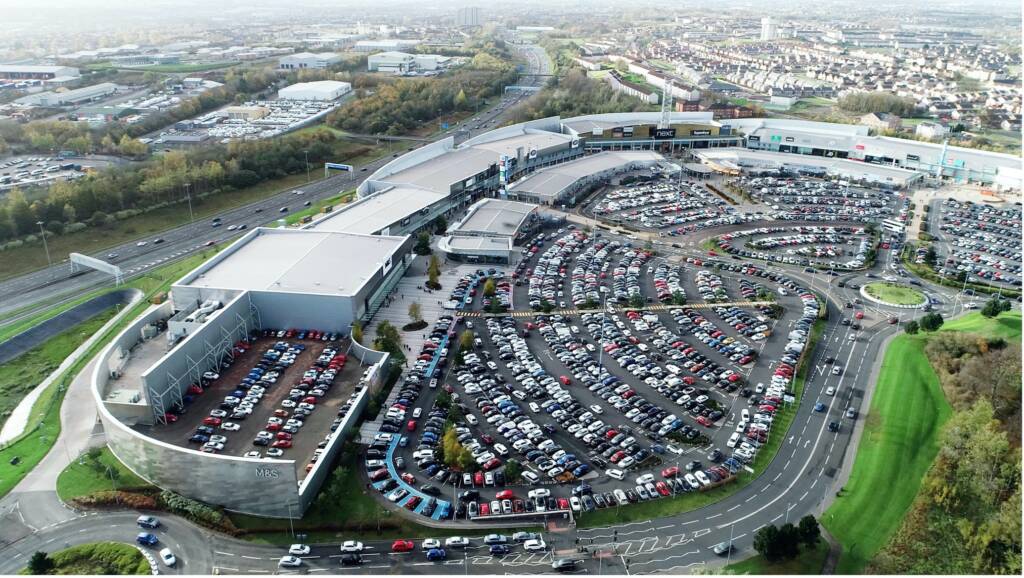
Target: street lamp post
46,247
188,196
306,154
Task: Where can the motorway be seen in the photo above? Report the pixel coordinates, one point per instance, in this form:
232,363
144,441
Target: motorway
57,281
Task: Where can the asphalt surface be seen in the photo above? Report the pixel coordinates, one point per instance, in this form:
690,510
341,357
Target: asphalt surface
46,285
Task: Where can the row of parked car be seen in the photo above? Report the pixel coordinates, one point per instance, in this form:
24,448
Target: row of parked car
984,241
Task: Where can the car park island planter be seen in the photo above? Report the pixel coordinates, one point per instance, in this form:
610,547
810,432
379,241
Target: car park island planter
893,295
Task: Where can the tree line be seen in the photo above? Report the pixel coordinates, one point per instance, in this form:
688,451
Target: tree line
966,518
877,101
121,192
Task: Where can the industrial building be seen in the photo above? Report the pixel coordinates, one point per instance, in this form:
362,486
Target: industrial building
246,112
307,60
489,231
736,160
31,72
402,62
566,183
69,97
319,90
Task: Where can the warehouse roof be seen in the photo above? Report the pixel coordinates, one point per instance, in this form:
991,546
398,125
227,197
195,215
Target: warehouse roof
297,261
495,217
542,141
378,211
463,243
441,172
551,181
852,169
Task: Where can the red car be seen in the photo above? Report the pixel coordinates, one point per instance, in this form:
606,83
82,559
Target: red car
565,380
859,315
195,389
283,435
503,495
662,488
379,475
670,472
273,427
478,479
411,426
408,478
214,421
491,464
703,421
412,503
170,418
563,504
280,413
485,509
283,444
402,546
310,400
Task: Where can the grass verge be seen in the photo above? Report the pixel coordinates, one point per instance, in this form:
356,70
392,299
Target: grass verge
318,206
807,562
897,447
22,374
44,422
99,558
1006,326
96,471
895,294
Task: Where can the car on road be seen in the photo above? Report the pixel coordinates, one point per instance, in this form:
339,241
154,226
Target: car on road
289,562
167,557
490,539
563,565
833,426
535,545
430,544
819,406
830,390
436,554
403,546
851,413
722,548
351,560
457,542
351,546
299,549
148,522
146,539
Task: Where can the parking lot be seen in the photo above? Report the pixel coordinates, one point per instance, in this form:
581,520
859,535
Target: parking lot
598,408
815,199
821,246
268,402
38,170
668,205
983,241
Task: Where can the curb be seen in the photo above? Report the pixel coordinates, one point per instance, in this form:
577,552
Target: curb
863,293
153,567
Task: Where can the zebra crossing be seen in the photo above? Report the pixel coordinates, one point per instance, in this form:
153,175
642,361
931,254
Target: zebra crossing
611,309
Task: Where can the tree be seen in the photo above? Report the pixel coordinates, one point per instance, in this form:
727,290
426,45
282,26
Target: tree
357,332
931,322
912,327
388,339
636,300
789,541
995,306
21,213
930,255
466,340
434,273
810,532
460,100
130,147
490,287
40,563
513,470
440,225
414,312
422,246
766,542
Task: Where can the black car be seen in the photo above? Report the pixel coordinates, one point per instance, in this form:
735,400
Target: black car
351,560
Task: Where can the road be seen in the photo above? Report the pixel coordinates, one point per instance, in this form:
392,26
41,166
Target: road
57,281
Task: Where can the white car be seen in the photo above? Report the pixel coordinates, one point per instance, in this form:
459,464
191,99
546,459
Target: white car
645,479
539,493
253,454
431,543
230,426
596,409
275,453
830,390
456,542
298,549
289,562
141,244
167,557
534,546
351,546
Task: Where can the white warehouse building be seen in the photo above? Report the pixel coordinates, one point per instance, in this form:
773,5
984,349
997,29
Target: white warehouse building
398,62
304,60
319,90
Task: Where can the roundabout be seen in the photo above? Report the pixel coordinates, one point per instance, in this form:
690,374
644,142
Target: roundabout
893,294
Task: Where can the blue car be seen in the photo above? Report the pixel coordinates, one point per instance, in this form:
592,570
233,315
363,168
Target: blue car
499,550
819,406
435,554
581,470
146,539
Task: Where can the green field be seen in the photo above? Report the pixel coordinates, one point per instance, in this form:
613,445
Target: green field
180,68
99,558
897,448
318,206
1007,325
44,422
88,474
895,294
807,562
21,375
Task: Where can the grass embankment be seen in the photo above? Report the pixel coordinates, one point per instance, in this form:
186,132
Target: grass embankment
15,327
89,474
99,559
28,258
691,501
898,445
1006,326
22,374
44,421
808,562
895,294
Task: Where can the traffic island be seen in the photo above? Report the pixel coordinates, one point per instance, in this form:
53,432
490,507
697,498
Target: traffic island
893,295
